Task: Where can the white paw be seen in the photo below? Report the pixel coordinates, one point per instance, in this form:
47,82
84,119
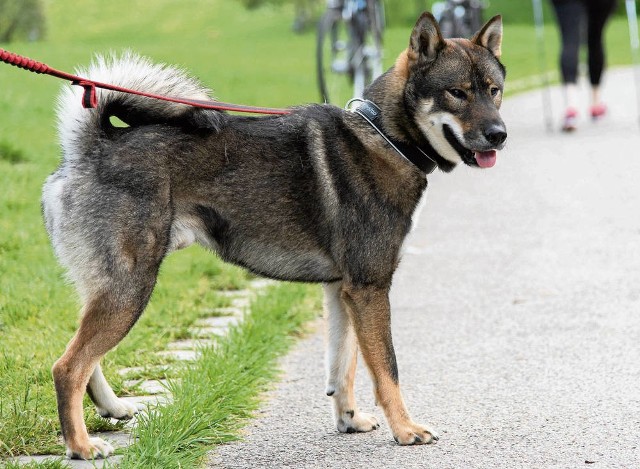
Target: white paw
411,433
352,422
118,409
96,449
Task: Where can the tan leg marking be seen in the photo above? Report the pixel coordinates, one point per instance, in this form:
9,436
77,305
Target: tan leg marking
370,312
342,348
103,325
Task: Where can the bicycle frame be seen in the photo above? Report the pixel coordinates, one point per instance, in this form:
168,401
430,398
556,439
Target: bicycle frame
458,18
351,10
351,56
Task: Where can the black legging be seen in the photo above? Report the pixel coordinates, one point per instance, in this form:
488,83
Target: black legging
569,14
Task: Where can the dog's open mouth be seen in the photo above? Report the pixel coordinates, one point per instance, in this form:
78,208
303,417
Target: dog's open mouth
482,159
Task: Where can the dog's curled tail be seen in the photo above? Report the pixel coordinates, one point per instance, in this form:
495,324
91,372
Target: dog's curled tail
77,124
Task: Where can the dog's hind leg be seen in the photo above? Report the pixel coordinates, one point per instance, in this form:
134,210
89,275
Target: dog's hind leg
114,265
110,227
106,320
108,405
342,348
369,310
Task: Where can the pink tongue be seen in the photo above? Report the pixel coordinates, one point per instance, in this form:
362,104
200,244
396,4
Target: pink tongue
486,159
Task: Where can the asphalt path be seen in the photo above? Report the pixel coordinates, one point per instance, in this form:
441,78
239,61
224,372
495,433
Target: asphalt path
516,315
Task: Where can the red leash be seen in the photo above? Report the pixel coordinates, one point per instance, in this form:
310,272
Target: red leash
89,97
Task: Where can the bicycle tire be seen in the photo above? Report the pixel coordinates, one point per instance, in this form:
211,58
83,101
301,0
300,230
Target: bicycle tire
447,24
375,9
475,18
377,20
333,58
360,33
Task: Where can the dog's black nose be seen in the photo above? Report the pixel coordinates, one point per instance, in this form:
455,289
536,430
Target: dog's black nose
495,135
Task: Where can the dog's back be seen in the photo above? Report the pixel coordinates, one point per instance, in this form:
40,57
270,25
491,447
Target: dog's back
278,195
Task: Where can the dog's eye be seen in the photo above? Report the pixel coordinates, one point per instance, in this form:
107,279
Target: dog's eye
457,93
494,90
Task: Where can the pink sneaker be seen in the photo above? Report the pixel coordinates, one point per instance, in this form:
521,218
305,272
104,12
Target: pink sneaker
570,119
598,111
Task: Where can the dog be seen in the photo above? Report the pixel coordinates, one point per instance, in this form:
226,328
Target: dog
320,195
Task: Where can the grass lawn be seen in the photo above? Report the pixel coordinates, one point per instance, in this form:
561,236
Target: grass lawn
246,57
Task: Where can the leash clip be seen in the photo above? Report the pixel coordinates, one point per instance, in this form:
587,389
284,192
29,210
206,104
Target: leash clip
89,98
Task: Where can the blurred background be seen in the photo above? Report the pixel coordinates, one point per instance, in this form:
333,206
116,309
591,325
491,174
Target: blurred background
260,52
256,52
248,50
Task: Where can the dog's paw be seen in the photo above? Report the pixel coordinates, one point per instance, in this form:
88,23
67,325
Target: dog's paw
118,409
356,421
414,434
96,448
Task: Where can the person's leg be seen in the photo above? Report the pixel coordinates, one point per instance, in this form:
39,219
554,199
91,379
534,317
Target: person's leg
569,14
598,12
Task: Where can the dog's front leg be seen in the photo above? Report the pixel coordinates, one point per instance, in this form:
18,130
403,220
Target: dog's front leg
342,348
371,318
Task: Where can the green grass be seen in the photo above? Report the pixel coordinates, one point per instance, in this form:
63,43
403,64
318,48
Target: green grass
38,310
58,464
34,338
215,396
246,57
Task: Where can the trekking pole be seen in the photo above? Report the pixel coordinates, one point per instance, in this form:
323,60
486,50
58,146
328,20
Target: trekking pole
632,18
542,61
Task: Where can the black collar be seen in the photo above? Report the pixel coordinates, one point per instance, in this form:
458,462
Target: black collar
420,157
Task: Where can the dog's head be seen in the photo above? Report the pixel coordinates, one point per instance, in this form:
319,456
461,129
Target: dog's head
454,90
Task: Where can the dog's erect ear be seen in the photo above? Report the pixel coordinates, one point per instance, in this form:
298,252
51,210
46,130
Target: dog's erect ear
426,39
490,36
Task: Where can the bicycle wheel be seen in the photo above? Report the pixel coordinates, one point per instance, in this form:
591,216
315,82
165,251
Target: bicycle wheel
373,46
376,20
360,60
448,25
475,17
333,59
